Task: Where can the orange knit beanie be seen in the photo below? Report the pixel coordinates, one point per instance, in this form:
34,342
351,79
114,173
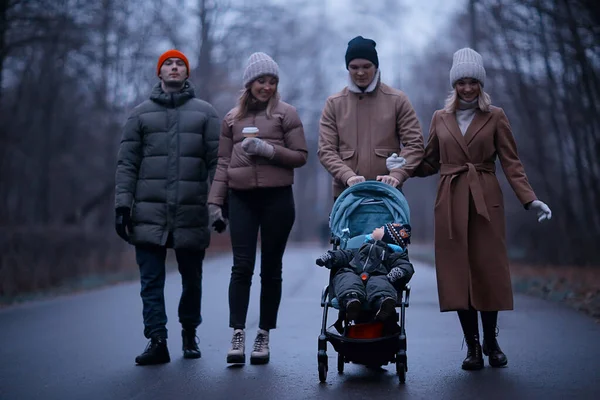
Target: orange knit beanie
172,54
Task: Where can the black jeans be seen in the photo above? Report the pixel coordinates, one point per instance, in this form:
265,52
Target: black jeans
151,260
272,211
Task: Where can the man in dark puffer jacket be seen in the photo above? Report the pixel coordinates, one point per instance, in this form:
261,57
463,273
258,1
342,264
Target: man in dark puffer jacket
167,156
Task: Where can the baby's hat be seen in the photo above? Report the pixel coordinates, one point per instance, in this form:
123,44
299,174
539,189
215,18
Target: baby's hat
396,233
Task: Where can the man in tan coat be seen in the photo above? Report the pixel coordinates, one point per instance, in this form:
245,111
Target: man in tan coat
366,123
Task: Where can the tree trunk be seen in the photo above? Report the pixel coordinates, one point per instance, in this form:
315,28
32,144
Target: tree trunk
205,72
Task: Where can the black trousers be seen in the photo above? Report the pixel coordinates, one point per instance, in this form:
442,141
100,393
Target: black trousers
272,212
151,261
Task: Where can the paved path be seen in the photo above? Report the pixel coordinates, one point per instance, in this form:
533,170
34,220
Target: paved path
83,347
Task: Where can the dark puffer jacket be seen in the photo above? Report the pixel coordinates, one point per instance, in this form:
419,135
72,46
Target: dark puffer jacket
167,156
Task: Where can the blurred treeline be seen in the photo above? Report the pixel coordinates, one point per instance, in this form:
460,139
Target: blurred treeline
71,70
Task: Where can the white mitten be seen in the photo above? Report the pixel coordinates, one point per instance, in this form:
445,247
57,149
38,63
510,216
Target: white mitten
394,162
543,211
258,147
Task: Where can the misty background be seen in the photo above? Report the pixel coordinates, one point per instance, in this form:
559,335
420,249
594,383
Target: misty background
71,70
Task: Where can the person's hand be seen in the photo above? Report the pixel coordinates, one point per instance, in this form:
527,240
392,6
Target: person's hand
216,219
325,260
394,162
395,274
257,147
123,222
353,180
543,211
388,180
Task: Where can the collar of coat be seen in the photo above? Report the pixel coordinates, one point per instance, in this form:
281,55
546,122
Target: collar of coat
172,99
372,86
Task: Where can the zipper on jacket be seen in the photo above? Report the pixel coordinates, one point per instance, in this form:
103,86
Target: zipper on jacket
254,166
368,257
178,160
169,208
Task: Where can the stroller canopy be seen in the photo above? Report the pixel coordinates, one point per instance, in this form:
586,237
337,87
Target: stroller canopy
364,207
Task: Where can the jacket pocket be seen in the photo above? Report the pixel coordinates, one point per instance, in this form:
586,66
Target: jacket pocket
378,166
386,152
346,154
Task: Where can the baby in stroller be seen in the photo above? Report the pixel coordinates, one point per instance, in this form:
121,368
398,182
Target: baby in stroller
373,274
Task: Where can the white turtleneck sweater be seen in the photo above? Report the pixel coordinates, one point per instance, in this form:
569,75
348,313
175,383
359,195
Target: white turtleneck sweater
465,113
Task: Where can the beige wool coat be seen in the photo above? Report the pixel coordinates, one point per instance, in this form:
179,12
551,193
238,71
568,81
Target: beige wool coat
470,248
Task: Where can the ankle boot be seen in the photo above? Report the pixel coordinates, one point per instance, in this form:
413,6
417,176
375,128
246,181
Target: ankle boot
474,359
156,352
260,353
190,344
492,350
237,354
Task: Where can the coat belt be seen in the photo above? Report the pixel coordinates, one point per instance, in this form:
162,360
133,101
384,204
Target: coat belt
472,170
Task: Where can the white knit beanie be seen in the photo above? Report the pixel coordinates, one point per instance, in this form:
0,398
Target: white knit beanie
467,63
259,64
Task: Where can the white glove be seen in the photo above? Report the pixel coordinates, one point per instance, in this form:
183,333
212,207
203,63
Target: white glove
543,211
394,162
258,147
389,180
353,180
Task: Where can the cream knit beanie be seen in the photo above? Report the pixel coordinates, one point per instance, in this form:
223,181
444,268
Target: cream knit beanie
259,64
467,63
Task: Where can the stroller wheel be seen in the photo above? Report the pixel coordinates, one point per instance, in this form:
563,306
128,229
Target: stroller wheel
401,371
322,371
340,361
322,361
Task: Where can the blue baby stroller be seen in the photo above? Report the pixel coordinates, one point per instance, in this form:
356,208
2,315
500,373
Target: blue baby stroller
357,211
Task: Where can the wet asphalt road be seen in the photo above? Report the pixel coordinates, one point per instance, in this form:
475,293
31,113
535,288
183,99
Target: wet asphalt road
83,347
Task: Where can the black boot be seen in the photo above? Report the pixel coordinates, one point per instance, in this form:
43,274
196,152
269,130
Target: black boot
156,352
353,306
474,359
190,345
491,349
496,357
470,327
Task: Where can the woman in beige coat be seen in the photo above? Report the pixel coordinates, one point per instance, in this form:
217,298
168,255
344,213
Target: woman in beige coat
470,250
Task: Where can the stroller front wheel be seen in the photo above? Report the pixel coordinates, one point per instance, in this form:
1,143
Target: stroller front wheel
340,362
401,371
322,361
322,371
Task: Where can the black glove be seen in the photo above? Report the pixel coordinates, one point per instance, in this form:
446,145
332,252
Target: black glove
216,218
325,260
123,223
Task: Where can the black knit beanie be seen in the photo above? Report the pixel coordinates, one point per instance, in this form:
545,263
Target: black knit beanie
397,234
359,47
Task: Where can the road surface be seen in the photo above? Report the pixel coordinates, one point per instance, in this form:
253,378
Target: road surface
83,347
